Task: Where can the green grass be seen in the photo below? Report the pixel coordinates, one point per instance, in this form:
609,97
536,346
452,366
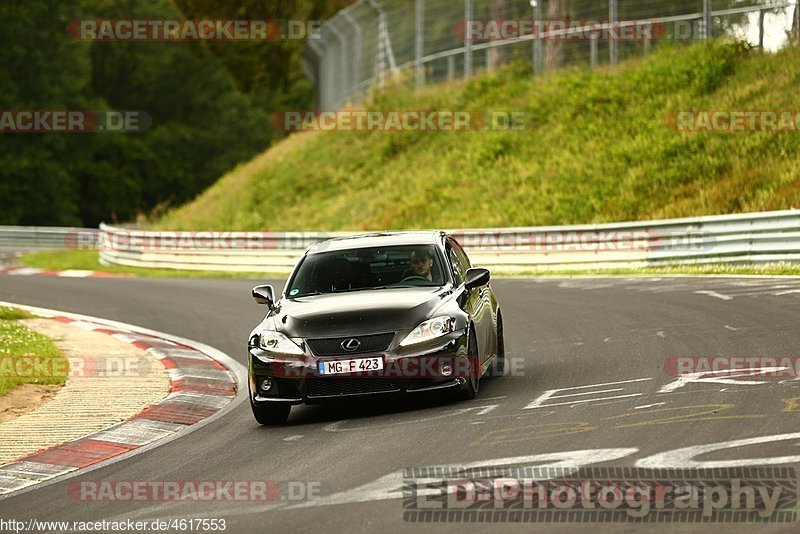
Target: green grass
89,260
778,269
599,150
27,357
13,314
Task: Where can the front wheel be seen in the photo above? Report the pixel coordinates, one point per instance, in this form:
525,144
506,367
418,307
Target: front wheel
470,389
271,414
498,367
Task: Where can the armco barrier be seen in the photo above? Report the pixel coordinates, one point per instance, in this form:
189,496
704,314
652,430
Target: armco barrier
752,238
766,237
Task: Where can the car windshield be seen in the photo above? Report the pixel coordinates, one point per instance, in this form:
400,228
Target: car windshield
367,268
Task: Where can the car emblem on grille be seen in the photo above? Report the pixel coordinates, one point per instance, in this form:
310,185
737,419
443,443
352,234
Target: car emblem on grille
351,344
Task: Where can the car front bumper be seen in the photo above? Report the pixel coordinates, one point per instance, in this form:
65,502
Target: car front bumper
414,369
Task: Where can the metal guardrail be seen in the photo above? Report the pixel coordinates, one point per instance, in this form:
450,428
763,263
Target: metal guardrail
752,238
22,238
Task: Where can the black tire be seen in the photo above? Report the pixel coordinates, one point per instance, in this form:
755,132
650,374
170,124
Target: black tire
470,389
271,414
498,367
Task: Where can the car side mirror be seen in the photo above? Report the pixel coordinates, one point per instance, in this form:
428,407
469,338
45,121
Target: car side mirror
264,295
477,277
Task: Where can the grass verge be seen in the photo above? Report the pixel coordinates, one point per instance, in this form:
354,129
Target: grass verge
89,260
27,357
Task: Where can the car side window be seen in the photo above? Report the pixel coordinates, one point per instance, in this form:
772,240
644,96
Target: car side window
461,254
459,271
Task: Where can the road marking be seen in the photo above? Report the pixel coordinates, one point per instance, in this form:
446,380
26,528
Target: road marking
551,394
294,438
731,328
661,333
781,293
495,398
703,377
685,458
75,273
25,271
715,295
390,486
707,413
649,405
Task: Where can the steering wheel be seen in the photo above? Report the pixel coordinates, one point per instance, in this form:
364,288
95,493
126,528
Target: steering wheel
414,277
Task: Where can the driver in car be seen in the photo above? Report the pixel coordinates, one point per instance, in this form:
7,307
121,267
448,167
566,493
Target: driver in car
421,263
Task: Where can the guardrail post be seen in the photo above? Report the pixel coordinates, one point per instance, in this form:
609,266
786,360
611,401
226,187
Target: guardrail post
467,40
419,42
707,29
613,42
593,50
451,67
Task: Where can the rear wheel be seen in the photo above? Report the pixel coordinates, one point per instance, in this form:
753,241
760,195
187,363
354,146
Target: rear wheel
271,414
470,389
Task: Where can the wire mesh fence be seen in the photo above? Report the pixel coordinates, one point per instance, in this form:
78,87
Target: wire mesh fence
427,41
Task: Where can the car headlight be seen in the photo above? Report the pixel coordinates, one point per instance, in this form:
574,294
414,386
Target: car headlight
430,329
271,341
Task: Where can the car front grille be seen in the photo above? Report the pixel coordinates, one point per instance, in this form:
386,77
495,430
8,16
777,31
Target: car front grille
333,346
333,386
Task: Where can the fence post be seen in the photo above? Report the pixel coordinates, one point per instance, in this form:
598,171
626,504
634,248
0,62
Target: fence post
538,57
340,73
468,40
320,66
419,42
797,20
707,29
593,49
357,56
613,42
451,67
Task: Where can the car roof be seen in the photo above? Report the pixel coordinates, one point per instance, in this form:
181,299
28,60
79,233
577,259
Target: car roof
377,239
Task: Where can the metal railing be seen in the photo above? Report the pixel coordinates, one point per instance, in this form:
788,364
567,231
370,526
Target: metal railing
372,41
754,238
22,238
751,238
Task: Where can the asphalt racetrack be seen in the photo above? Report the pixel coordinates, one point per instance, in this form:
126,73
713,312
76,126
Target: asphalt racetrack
592,380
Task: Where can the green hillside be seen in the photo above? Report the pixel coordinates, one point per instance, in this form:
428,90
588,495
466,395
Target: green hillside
599,150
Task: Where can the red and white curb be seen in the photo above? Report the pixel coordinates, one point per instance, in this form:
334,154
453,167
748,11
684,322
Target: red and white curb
205,384
70,273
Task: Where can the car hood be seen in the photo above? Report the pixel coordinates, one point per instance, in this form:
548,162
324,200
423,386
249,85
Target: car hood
358,312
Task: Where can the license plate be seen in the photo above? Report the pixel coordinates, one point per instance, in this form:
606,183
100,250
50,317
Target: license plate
356,365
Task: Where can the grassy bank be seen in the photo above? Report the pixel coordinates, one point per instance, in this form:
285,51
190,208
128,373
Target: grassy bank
598,149
27,357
